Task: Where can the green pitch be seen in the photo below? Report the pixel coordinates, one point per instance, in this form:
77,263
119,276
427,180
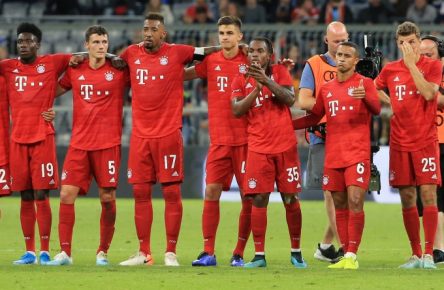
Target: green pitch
383,248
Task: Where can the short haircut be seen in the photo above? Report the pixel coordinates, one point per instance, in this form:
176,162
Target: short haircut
407,28
230,20
155,16
30,28
351,44
95,29
267,42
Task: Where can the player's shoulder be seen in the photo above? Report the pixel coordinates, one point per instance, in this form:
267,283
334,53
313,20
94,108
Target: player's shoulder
427,61
393,64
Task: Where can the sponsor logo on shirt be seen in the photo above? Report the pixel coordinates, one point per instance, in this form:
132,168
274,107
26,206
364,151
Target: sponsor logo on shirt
252,183
52,181
164,60
218,68
248,86
396,79
81,78
113,180
175,174
6,187
109,76
434,176
41,68
360,179
137,61
329,95
16,71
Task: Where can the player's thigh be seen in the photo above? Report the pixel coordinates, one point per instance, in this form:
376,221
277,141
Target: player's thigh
401,169
167,155
334,180
77,170
358,174
44,168
19,166
140,161
239,159
5,180
105,166
288,175
260,173
218,167
426,165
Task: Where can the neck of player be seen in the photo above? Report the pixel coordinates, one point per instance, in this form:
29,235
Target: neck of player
95,62
343,76
230,52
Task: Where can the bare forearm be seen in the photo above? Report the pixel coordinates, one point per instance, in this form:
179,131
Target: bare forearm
425,88
306,99
241,107
282,94
210,49
383,98
190,74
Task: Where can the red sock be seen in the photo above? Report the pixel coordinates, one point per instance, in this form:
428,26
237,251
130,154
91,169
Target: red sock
44,220
294,222
107,221
259,227
342,216
244,228
429,223
411,224
67,217
27,219
210,221
356,222
173,214
143,215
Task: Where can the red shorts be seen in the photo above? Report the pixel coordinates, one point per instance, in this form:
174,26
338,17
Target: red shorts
263,170
34,166
225,161
415,168
81,166
156,159
338,179
5,180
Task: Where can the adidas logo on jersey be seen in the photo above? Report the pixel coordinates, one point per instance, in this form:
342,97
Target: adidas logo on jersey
6,187
175,173
248,86
137,61
52,181
298,186
81,78
218,68
16,71
396,79
360,179
112,179
434,176
329,95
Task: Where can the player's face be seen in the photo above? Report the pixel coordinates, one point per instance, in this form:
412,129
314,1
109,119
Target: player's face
411,39
346,58
27,45
258,53
229,36
428,48
333,39
153,34
97,46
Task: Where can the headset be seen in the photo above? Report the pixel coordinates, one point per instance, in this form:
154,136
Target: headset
439,43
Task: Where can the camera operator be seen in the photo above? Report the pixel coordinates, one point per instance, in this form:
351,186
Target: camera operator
433,47
412,83
318,70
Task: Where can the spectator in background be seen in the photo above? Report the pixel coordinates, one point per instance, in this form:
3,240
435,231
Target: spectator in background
335,10
305,13
283,12
376,12
254,12
190,13
202,16
233,10
61,7
420,12
221,9
158,7
400,7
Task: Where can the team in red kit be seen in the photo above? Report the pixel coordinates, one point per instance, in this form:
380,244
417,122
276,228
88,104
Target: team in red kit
252,138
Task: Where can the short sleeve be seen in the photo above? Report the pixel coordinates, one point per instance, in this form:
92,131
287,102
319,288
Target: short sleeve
185,52
61,62
65,81
237,90
201,68
307,79
381,79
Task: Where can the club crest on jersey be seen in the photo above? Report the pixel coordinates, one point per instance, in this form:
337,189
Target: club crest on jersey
41,68
243,68
391,175
109,76
129,173
64,174
252,183
350,91
164,60
325,179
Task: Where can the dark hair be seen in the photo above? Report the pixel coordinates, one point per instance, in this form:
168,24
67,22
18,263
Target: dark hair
30,28
230,20
407,28
155,16
95,29
351,44
270,50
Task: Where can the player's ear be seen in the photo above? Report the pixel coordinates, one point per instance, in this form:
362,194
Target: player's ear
325,40
164,35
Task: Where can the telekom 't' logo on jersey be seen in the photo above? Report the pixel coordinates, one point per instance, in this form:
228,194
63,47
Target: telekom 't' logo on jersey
400,91
141,75
333,107
86,91
222,83
20,82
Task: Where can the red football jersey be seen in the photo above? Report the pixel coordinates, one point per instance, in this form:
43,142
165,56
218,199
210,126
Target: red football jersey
157,88
270,129
31,90
224,128
412,126
348,119
4,123
98,104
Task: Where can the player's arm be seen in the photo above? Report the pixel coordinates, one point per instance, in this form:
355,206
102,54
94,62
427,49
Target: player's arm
49,115
60,91
311,119
306,97
201,52
239,103
190,74
371,96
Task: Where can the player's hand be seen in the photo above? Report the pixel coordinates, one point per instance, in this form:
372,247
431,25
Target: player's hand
287,62
256,72
76,59
359,92
118,63
49,115
244,48
408,55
